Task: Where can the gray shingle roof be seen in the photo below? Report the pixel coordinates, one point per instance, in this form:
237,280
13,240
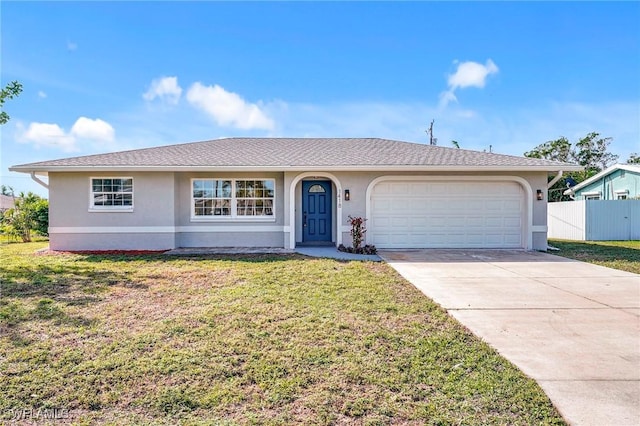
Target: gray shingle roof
297,153
6,202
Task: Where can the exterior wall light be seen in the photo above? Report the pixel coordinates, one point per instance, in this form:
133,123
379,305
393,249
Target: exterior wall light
347,195
539,195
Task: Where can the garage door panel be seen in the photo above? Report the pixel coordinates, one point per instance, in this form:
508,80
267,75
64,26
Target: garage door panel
476,222
493,222
447,214
400,222
512,222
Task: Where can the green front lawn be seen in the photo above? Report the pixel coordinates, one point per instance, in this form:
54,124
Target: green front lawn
243,340
623,255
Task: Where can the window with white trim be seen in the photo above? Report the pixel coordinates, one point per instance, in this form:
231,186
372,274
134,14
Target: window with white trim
621,194
108,193
233,198
592,195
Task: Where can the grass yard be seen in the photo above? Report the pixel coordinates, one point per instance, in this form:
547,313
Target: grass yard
623,255
242,340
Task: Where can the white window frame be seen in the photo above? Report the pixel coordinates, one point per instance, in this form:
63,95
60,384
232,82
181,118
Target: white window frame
592,195
621,194
110,209
234,217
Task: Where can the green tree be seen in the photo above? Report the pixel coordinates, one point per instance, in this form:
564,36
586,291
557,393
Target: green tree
7,190
29,213
634,158
591,152
557,150
10,91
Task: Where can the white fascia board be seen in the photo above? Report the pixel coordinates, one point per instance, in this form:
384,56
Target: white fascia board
44,170
599,175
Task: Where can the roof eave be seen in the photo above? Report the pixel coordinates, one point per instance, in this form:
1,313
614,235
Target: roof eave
44,170
603,174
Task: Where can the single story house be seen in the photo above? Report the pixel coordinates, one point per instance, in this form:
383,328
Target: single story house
618,182
283,192
6,202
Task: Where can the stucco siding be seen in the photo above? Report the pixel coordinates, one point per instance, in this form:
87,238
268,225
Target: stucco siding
112,241
230,239
161,216
245,232
358,182
183,205
69,195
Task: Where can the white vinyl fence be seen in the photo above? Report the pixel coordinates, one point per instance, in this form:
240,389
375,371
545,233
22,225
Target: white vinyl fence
594,220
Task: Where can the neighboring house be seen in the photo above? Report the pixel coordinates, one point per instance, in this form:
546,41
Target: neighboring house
6,202
282,192
618,182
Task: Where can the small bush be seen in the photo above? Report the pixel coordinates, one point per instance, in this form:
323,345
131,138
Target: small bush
368,249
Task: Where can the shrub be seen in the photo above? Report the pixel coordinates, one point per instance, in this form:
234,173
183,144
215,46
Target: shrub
30,213
358,230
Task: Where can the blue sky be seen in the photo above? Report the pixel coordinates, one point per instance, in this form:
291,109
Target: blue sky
100,77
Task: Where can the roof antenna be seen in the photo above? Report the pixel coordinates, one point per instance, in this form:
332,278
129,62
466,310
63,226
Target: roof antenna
429,131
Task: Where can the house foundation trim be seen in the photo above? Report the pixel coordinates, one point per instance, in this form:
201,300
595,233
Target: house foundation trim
161,229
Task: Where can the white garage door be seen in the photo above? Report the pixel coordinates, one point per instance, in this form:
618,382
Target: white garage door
435,214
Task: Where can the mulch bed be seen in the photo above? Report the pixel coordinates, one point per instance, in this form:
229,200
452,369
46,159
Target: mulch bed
49,252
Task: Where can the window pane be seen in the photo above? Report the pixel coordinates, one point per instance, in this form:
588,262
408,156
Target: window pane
251,189
98,200
221,207
226,189
268,207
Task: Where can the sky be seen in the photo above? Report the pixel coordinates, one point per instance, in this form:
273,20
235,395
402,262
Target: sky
500,76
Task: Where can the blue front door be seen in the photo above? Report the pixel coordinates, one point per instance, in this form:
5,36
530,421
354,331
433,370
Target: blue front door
316,210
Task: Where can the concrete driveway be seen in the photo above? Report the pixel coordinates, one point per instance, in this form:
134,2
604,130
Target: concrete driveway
572,326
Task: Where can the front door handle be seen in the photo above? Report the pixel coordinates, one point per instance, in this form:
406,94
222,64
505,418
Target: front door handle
304,219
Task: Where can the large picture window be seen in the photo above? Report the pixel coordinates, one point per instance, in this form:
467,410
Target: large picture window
111,194
233,198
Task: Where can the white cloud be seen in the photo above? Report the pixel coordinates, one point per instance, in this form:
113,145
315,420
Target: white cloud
42,94
165,88
228,108
471,74
468,74
97,130
72,46
51,135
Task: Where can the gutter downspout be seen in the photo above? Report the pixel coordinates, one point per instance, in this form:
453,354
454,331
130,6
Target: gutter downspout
554,180
549,185
37,179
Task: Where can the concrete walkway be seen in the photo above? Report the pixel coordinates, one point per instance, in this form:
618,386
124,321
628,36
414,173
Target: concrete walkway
572,326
